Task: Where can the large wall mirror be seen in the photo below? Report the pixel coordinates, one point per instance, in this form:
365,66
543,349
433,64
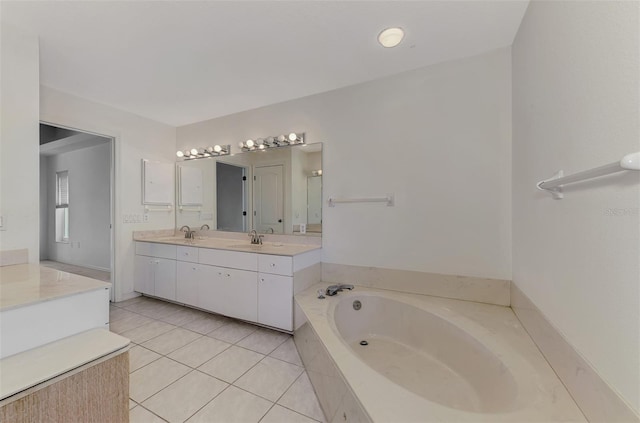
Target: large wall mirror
276,191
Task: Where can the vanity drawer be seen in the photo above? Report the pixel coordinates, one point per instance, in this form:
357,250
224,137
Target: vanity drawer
232,259
189,254
153,249
277,265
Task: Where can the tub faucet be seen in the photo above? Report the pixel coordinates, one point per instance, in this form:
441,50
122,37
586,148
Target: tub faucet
334,289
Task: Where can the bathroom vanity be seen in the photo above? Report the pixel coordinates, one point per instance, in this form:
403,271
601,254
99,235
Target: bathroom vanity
231,277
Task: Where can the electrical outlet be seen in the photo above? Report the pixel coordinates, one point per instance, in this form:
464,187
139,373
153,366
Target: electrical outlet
145,217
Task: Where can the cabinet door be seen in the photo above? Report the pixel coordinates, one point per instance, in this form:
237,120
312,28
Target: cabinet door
187,280
238,294
165,278
143,275
275,301
210,288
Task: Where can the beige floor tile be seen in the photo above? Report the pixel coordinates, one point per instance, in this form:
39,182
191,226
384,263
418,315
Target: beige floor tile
159,311
128,302
233,405
288,352
180,400
270,378
150,379
117,313
182,316
279,414
199,351
263,340
207,323
233,332
140,357
171,341
232,363
302,398
140,415
130,321
147,331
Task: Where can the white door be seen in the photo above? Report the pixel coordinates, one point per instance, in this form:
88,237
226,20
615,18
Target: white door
268,199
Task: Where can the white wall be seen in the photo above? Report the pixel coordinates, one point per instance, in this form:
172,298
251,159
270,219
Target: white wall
439,138
19,164
89,207
135,138
576,106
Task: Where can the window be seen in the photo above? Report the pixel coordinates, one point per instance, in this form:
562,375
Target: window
62,206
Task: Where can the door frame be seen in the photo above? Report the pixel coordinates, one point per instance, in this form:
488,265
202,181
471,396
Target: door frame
114,143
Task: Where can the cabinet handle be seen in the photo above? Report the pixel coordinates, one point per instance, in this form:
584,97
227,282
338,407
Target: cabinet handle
261,279
273,265
193,268
228,275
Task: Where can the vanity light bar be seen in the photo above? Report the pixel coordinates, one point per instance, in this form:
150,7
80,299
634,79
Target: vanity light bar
203,152
261,144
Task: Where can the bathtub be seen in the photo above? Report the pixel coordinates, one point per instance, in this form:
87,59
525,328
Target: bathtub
384,356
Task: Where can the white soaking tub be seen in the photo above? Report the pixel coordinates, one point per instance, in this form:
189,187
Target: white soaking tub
426,359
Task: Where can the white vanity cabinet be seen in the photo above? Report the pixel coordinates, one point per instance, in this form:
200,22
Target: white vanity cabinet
251,286
155,270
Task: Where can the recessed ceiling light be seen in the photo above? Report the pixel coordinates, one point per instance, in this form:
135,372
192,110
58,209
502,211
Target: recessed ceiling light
391,37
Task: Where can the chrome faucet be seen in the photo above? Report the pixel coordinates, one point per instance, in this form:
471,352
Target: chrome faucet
255,238
202,227
334,289
189,234
270,229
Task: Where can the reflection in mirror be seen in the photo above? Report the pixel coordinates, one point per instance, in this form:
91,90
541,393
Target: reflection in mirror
271,191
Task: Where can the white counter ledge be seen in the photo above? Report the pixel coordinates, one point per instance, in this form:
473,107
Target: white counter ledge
26,284
242,245
30,368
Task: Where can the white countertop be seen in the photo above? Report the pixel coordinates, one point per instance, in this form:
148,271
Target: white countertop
274,248
24,370
24,284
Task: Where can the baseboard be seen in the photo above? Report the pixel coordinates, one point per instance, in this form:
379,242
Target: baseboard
597,400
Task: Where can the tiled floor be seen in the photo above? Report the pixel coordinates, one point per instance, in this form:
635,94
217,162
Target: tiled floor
100,275
188,365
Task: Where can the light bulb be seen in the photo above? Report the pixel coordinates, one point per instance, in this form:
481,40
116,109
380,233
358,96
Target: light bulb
269,140
210,149
319,172
179,154
293,136
250,143
217,148
281,138
194,152
241,144
261,147
259,141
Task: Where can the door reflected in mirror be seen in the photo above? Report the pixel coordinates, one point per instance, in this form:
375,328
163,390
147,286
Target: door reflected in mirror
271,191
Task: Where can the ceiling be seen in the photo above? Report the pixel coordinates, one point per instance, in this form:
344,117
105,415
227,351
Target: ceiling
180,62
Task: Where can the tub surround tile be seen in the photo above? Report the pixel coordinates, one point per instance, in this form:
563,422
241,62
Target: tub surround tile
147,381
183,398
232,363
233,405
483,290
199,351
279,414
301,397
270,378
597,400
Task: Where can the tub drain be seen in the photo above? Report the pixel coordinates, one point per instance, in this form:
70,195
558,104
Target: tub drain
364,343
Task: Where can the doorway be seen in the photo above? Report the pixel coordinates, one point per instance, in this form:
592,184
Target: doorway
268,199
76,202
231,204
